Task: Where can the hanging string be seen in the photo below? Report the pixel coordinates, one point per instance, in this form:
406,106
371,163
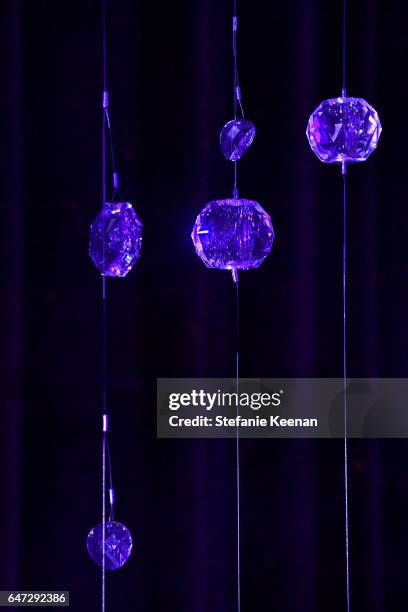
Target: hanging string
104,310
237,447
105,425
346,487
344,46
106,455
115,176
237,89
344,175
237,103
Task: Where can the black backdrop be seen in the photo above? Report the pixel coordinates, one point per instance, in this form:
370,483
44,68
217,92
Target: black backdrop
170,82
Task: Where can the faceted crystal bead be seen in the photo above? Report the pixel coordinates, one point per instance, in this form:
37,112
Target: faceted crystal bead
236,137
116,239
343,130
118,545
233,234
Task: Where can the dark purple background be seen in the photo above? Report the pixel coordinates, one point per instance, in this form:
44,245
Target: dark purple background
170,81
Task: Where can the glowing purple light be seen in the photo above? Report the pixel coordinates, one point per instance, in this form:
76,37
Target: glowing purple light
236,137
118,545
116,239
343,130
233,234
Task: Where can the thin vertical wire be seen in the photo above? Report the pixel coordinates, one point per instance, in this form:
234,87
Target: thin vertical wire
237,99
344,46
234,51
237,454
344,174
103,194
237,89
235,84
115,176
111,490
103,520
346,484
104,308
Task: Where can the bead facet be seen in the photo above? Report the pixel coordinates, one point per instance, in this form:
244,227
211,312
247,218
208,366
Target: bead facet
236,137
116,239
343,130
118,545
233,234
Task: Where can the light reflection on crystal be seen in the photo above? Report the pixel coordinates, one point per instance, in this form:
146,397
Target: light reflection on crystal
233,234
118,545
115,251
236,137
343,130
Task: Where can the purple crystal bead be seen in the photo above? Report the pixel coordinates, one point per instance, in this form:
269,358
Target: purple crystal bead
236,137
116,239
233,234
118,545
343,130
